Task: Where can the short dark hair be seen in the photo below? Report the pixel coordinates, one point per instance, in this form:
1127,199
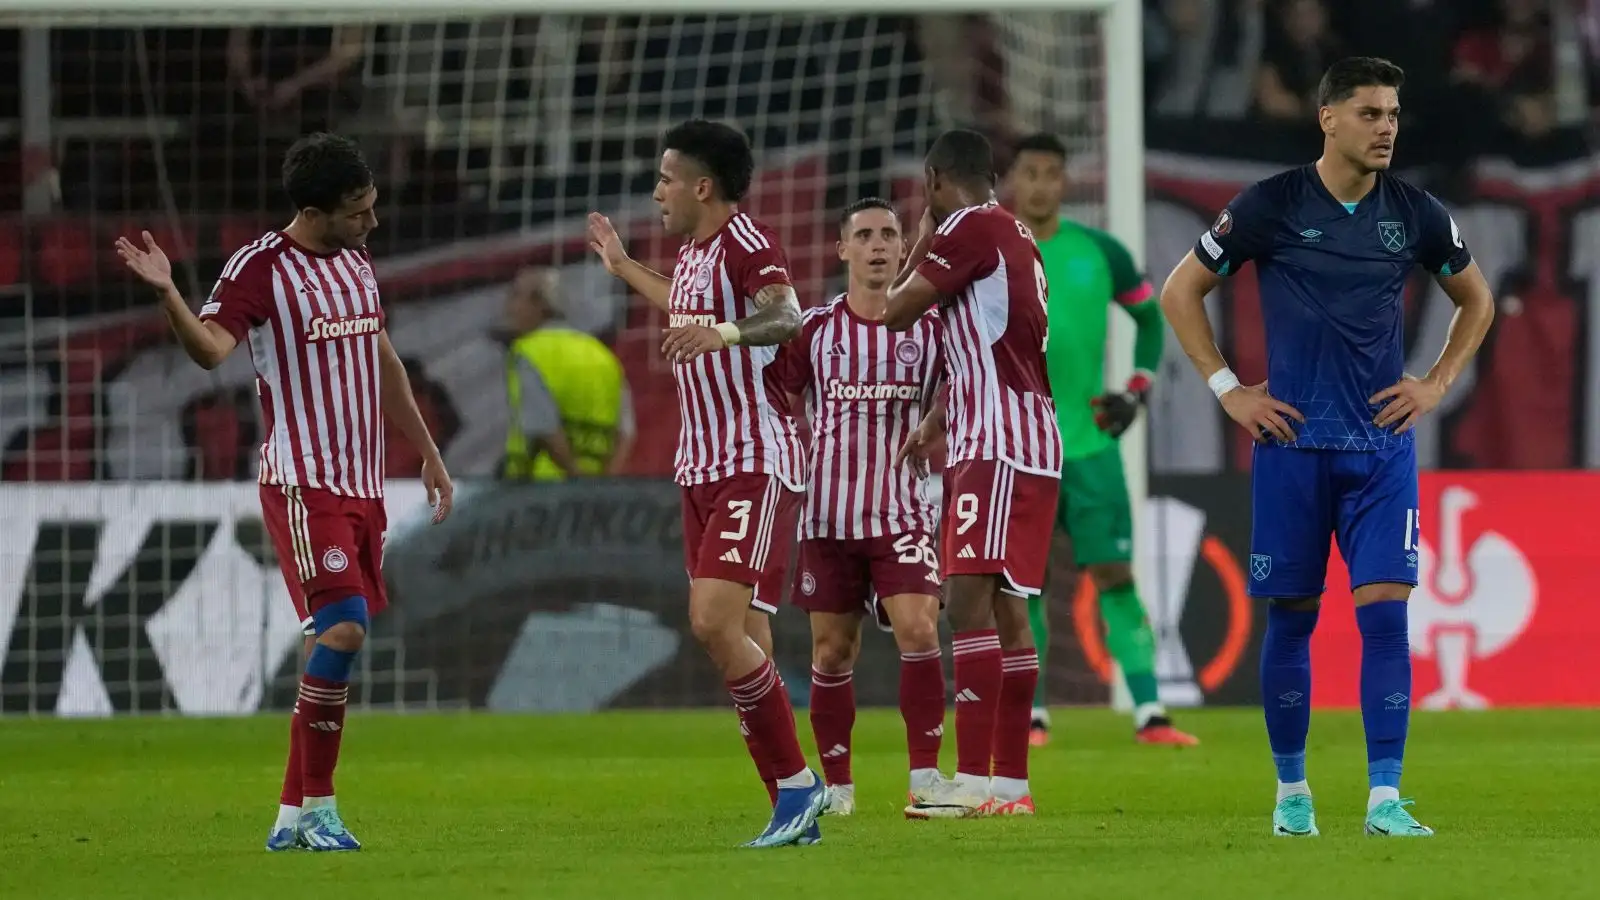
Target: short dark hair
964,156
864,204
1352,73
321,170
1041,142
722,150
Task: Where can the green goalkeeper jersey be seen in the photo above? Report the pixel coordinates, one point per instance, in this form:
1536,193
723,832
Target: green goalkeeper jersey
1087,272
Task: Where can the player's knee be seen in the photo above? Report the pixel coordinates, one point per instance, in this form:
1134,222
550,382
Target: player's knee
342,624
1381,592
1011,622
1107,576
1297,604
917,634
833,655
716,620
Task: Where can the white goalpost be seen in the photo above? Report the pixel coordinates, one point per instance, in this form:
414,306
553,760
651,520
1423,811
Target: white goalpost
536,111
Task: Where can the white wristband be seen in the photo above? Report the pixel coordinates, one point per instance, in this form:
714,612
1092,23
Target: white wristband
1222,381
730,333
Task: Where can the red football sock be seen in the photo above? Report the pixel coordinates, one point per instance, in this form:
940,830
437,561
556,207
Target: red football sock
292,794
833,717
758,755
1011,724
922,706
770,718
977,664
319,717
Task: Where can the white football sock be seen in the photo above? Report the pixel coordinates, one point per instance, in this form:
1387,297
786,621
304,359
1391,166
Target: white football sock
922,779
1287,789
288,817
800,779
314,802
1008,789
1379,794
1144,712
978,784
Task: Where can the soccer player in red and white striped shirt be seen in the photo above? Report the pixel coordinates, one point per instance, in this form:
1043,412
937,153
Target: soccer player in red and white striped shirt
730,303
868,525
306,301
1004,461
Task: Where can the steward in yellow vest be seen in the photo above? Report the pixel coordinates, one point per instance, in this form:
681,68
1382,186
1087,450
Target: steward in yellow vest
569,412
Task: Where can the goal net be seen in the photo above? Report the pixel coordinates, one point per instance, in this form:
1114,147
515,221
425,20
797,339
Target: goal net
144,581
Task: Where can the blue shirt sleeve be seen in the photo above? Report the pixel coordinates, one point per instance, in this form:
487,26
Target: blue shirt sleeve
1442,250
1243,231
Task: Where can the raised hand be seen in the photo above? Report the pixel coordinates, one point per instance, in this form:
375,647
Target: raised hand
150,264
606,243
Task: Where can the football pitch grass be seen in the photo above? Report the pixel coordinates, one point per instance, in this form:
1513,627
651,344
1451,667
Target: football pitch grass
651,805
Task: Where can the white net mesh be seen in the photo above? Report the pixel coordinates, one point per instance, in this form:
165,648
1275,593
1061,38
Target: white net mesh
492,136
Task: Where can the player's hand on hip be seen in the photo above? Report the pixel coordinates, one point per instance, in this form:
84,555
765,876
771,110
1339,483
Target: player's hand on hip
1261,414
150,264
441,492
1405,402
687,342
606,243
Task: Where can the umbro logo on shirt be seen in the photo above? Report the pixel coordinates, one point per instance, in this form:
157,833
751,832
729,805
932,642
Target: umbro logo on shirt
1311,236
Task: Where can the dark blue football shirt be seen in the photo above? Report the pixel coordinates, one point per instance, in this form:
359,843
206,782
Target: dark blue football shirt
1332,277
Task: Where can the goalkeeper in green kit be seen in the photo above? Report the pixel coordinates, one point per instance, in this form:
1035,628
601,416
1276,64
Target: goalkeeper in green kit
1089,271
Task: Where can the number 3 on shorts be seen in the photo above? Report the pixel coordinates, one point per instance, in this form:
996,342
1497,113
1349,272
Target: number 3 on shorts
738,511
916,552
967,512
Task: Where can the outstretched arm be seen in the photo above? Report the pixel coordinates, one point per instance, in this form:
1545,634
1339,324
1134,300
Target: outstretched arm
207,343
607,244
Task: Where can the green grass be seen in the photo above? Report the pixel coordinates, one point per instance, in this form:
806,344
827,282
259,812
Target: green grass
654,805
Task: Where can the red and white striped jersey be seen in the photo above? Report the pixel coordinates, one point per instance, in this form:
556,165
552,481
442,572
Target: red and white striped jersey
866,389
312,322
734,418
994,338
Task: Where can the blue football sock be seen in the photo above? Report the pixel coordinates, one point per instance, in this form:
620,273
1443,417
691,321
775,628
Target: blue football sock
1385,688
1286,687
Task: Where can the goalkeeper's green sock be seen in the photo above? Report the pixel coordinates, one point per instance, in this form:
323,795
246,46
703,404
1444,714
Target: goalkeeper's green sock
1133,645
1040,626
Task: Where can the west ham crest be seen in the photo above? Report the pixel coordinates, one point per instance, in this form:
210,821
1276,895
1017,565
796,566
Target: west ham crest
1393,236
1260,566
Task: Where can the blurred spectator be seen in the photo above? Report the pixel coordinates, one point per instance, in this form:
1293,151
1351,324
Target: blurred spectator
1509,58
570,413
1299,48
302,74
1204,56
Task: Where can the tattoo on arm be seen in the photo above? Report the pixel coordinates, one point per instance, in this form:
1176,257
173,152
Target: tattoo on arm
776,319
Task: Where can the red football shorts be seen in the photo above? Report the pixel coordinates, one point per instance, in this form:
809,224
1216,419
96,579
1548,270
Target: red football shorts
846,575
998,521
741,529
329,547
